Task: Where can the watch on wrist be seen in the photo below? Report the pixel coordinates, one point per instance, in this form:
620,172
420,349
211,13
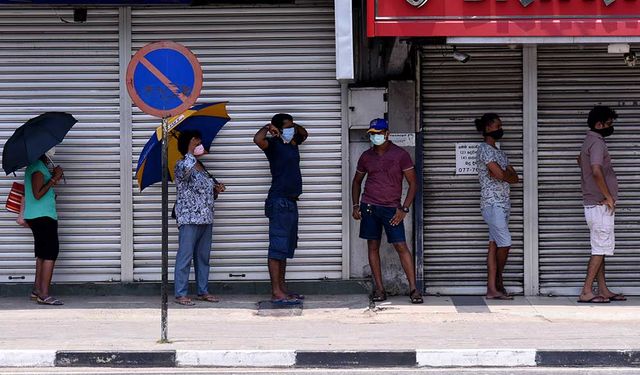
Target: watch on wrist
405,209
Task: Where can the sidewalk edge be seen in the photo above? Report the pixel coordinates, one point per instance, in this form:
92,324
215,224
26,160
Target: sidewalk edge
319,358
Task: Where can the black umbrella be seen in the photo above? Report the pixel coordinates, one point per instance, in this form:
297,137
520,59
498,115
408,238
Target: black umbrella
34,138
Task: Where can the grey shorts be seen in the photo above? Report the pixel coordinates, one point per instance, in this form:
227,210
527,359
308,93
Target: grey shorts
497,218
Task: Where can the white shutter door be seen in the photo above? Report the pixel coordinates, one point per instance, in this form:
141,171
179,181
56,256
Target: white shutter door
572,79
263,60
453,95
47,65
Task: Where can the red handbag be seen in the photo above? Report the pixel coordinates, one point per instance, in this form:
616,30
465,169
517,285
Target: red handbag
16,196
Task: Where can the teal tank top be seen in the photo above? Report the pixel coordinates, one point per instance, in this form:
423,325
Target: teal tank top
45,206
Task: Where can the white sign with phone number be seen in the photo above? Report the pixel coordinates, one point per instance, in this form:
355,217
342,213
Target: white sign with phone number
466,158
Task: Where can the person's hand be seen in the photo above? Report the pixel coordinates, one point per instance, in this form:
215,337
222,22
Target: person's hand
193,143
220,188
610,203
356,212
273,130
398,217
57,174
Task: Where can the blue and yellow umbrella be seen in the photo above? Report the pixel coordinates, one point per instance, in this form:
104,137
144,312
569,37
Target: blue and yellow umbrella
207,119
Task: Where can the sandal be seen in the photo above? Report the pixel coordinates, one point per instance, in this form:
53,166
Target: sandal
208,298
49,301
184,301
415,297
294,295
595,299
379,297
618,297
286,302
503,297
34,295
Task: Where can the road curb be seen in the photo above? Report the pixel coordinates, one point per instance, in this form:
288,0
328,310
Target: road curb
327,359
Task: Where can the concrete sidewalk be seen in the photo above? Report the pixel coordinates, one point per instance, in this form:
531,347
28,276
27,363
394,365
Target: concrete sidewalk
327,323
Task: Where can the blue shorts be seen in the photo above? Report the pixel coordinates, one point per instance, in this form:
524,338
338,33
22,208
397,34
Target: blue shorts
497,218
283,227
374,218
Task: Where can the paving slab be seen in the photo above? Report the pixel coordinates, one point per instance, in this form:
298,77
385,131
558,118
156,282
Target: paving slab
327,322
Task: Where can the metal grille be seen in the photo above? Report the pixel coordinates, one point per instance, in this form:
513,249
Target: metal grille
453,95
263,60
572,79
47,65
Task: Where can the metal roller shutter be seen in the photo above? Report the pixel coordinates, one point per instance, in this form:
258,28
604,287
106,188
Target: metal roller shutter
263,60
47,65
572,79
453,95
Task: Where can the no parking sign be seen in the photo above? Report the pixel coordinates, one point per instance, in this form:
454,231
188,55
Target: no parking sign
164,79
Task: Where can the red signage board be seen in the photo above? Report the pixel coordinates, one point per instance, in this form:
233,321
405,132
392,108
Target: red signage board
503,18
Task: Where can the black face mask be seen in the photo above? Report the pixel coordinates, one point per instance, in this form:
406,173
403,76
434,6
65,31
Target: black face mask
604,132
496,134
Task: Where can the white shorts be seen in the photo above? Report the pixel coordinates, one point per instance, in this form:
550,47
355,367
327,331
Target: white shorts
600,222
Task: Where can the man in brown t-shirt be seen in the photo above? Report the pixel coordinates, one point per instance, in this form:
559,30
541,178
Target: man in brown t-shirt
385,165
599,196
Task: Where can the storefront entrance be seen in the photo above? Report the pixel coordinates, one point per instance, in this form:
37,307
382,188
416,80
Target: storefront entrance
543,95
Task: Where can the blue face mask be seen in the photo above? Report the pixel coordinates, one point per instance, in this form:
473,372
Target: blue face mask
377,139
287,134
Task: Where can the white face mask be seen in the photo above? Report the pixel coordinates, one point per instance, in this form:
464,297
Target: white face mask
287,134
51,153
199,150
377,139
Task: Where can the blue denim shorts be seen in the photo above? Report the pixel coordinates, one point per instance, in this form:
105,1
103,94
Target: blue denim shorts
497,218
374,218
283,227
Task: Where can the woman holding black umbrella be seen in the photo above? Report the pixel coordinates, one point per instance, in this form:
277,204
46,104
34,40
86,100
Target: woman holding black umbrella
27,147
41,215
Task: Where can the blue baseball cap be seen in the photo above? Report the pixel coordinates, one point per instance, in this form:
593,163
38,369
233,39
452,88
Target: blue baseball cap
378,125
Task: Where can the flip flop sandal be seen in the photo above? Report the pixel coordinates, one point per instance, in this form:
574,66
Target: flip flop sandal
619,297
415,297
184,302
295,295
34,295
49,301
208,298
286,302
596,299
377,297
502,298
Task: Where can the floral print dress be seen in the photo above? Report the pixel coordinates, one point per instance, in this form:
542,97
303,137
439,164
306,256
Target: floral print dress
195,193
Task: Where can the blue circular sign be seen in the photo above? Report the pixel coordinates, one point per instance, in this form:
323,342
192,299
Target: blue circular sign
164,79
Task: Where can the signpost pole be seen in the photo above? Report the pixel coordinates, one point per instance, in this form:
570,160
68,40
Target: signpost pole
152,90
165,231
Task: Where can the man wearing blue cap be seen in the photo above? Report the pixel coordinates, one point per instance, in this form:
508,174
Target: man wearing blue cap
385,166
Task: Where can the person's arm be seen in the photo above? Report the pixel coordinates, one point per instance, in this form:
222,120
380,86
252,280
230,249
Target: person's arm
596,153
598,176
300,136
513,177
260,139
508,175
356,188
410,176
39,187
